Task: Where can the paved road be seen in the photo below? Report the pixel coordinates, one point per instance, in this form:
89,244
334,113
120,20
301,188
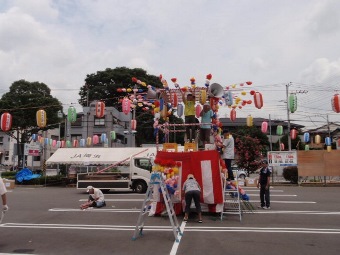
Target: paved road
303,220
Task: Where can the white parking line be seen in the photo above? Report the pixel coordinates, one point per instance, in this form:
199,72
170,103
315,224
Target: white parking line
118,200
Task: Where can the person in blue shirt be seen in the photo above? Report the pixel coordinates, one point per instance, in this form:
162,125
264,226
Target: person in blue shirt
206,116
263,184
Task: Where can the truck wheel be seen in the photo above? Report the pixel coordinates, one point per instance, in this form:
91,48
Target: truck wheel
140,187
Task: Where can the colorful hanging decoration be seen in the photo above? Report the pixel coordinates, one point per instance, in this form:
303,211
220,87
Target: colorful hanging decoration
100,109
113,135
249,121
41,118
58,144
329,148
232,115
292,102
317,139
82,142
62,144
336,103
68,144
203,97
306,137
228,98
258,100
126,104
328,141
264,127
293,133
88,141
35,137
95,139
71,114
133,124
279,130
75,143
306,147
174,100
6,121
198,110
282,146
103,138
180,109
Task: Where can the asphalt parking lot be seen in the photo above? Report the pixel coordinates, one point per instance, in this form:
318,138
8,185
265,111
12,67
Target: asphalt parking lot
47,220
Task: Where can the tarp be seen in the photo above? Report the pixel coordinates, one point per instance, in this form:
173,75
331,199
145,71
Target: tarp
25,175
98,156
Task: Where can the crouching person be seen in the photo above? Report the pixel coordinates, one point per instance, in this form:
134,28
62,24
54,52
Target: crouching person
96,198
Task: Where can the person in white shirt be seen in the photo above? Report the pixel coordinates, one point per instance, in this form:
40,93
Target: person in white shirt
228,152
96,198
3,192
192,191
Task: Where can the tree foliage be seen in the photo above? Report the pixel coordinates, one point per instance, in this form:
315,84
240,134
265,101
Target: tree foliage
250,144
103,85
23,100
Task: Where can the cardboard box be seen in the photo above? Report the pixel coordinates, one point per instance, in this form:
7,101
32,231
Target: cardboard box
9,184
251,182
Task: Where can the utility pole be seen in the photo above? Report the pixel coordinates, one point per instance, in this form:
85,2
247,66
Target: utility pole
288,117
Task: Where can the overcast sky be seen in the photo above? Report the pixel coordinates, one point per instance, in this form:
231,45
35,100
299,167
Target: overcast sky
271,43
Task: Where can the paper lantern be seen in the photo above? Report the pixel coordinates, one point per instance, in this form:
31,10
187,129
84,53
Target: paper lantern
180,109
329,148
249,121
292,103
161,104
203,96
126,105
233,115
228,98
258,100
58,144
95,139
293,133
100,109
133,124
6,121
41,118
306,137
34,137
282,146
62,144
75,143
174,100
71,114
68,144
328,141
82,142
54,143
88,141
264,127
113,135
46,141
317,139
103,138
198,110
336,103
279,130
306,147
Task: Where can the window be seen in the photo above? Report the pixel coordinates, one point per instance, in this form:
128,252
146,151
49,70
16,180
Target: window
78,122
1,140
6,155
99,121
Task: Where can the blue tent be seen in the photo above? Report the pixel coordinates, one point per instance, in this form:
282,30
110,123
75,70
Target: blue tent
26,174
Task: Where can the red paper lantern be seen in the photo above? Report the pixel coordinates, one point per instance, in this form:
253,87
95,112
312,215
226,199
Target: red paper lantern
133,124
198,110
174,100
336,103
6,121
75,143
293,133
258,100
41,118
233,115
282,146
100,109
126,105
95,139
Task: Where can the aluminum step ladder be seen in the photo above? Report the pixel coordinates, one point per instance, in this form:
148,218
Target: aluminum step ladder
156,179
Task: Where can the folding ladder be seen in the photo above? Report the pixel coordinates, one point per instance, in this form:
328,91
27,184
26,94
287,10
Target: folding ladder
156,179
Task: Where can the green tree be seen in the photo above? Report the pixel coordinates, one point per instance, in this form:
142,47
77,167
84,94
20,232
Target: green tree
103,85
22,101
251,145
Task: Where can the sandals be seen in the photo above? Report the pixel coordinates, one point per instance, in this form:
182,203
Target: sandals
200,221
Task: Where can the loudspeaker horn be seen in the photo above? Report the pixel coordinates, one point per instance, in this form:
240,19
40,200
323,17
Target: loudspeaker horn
153,94
215,90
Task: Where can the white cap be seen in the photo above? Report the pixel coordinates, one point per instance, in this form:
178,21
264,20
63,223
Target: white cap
88,188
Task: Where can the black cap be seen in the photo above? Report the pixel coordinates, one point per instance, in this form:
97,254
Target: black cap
264,161
225,131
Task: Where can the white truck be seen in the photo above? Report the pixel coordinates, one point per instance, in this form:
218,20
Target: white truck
131,175
111,168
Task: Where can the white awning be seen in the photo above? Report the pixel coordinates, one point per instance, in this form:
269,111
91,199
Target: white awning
97,156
